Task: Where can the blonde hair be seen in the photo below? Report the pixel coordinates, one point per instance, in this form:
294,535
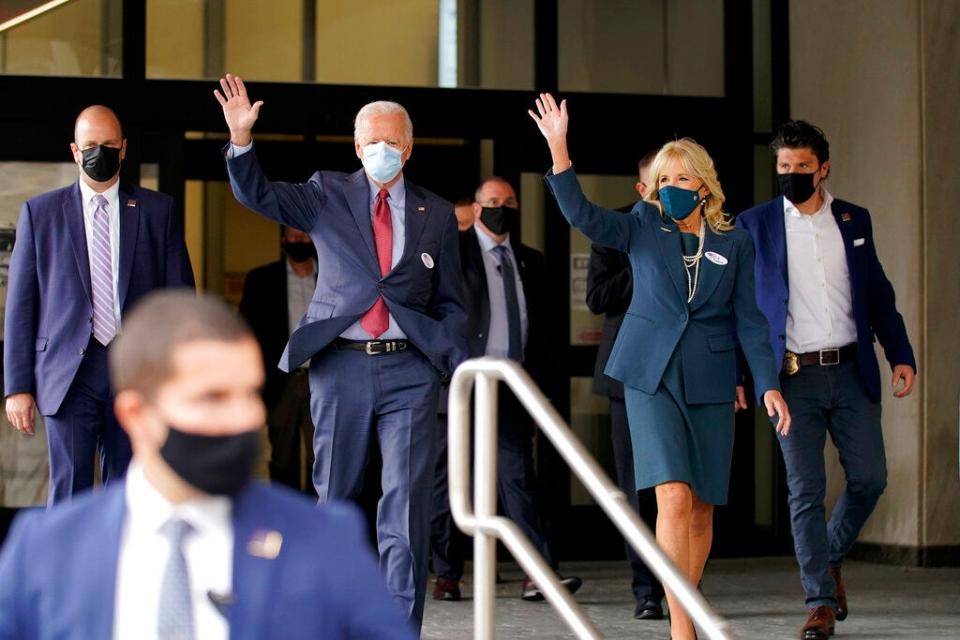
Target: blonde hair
698,163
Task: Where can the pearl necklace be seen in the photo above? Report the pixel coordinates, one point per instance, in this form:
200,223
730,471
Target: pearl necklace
693,262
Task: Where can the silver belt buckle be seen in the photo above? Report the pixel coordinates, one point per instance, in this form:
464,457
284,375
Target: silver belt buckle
369,348
830,364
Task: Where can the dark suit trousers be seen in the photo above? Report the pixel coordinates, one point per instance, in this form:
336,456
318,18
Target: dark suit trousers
645,585
354,398
516,488
290,428
83,428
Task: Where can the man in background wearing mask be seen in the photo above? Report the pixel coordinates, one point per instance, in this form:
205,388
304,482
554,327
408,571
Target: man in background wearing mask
506,296
275,297
188,546
83,255
609,290
825,295
384,327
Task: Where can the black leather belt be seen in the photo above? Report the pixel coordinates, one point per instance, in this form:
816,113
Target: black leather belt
372,347
823,358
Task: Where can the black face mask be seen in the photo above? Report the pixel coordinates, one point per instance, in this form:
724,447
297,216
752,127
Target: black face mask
101,163
500,220
796,187
300,251
217,465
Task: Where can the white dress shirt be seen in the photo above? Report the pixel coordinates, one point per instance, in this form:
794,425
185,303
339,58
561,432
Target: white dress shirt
397,202
112,196
144,551
498,335
820,305
299,293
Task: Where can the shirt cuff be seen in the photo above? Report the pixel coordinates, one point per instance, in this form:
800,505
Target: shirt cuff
236,151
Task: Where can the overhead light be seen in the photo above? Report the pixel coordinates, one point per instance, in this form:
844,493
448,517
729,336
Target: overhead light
30,15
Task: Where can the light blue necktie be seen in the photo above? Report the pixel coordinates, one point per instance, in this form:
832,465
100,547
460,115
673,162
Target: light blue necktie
175,614
515,343
101,275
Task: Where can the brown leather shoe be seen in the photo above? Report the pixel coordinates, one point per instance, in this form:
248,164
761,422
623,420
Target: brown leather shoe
819,624
446,589
841,592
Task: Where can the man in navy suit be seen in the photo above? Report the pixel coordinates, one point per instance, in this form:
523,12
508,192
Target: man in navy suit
83,255
187,546
385,325
821,286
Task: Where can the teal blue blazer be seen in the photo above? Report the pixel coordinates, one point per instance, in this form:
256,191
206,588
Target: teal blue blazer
659,319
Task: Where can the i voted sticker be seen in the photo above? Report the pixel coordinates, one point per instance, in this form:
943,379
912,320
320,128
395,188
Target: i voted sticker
427,260
715,258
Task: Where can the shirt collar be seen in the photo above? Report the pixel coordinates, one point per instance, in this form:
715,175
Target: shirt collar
489,244
87,193
148,510
790,209
397,191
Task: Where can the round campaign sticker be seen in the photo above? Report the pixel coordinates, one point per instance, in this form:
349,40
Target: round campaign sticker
715,258
427,260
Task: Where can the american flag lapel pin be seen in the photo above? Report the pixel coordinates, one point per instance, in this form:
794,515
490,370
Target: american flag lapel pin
265,544
845,216
421,209
131,203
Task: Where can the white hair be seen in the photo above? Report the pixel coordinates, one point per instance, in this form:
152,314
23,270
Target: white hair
379,108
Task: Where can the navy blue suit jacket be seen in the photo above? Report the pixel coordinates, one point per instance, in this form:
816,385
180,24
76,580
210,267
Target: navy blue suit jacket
334,208
49,315
874,303
58,571
659,319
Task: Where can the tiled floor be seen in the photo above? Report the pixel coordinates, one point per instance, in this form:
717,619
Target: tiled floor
760,597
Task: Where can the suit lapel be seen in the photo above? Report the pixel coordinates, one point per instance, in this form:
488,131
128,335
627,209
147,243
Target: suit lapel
103,559
777,236
357,193
415,215
845,223
710,272
129,217
668,239
475,251
73,220
254,566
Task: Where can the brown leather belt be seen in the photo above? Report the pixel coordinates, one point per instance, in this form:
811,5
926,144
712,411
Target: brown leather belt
823,358
372,347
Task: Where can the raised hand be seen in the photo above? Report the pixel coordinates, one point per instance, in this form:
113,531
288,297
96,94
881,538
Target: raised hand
239,114
552,122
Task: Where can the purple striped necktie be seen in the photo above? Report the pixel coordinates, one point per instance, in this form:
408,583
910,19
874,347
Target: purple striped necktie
101,275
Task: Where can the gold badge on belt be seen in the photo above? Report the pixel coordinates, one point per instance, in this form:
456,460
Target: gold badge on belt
791,364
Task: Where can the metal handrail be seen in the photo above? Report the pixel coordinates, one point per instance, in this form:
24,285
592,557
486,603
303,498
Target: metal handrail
481,521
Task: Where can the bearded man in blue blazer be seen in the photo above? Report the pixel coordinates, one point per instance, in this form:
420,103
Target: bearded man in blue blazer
187,546
83,255
826,297
385,325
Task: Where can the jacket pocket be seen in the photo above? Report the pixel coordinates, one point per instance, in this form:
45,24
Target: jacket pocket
721,343
41,344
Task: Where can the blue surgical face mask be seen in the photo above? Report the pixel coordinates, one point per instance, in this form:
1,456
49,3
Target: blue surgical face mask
382,161
679,203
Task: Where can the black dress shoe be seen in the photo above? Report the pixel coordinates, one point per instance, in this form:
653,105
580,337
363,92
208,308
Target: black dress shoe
648,610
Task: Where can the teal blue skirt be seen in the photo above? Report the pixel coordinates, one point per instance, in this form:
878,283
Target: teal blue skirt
678,442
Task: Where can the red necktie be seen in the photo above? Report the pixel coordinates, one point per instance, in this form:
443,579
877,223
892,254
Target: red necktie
377,319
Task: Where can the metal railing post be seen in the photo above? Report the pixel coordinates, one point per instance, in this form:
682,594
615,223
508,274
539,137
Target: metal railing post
485,505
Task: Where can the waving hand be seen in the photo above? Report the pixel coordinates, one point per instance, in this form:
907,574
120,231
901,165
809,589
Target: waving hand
239,114
552,122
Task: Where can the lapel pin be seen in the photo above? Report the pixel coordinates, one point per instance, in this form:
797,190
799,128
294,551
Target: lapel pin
265,544
427,260
131,203
421,209
715,258
665,229
845,216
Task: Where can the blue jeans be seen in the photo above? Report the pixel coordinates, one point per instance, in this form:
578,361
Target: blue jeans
834,400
